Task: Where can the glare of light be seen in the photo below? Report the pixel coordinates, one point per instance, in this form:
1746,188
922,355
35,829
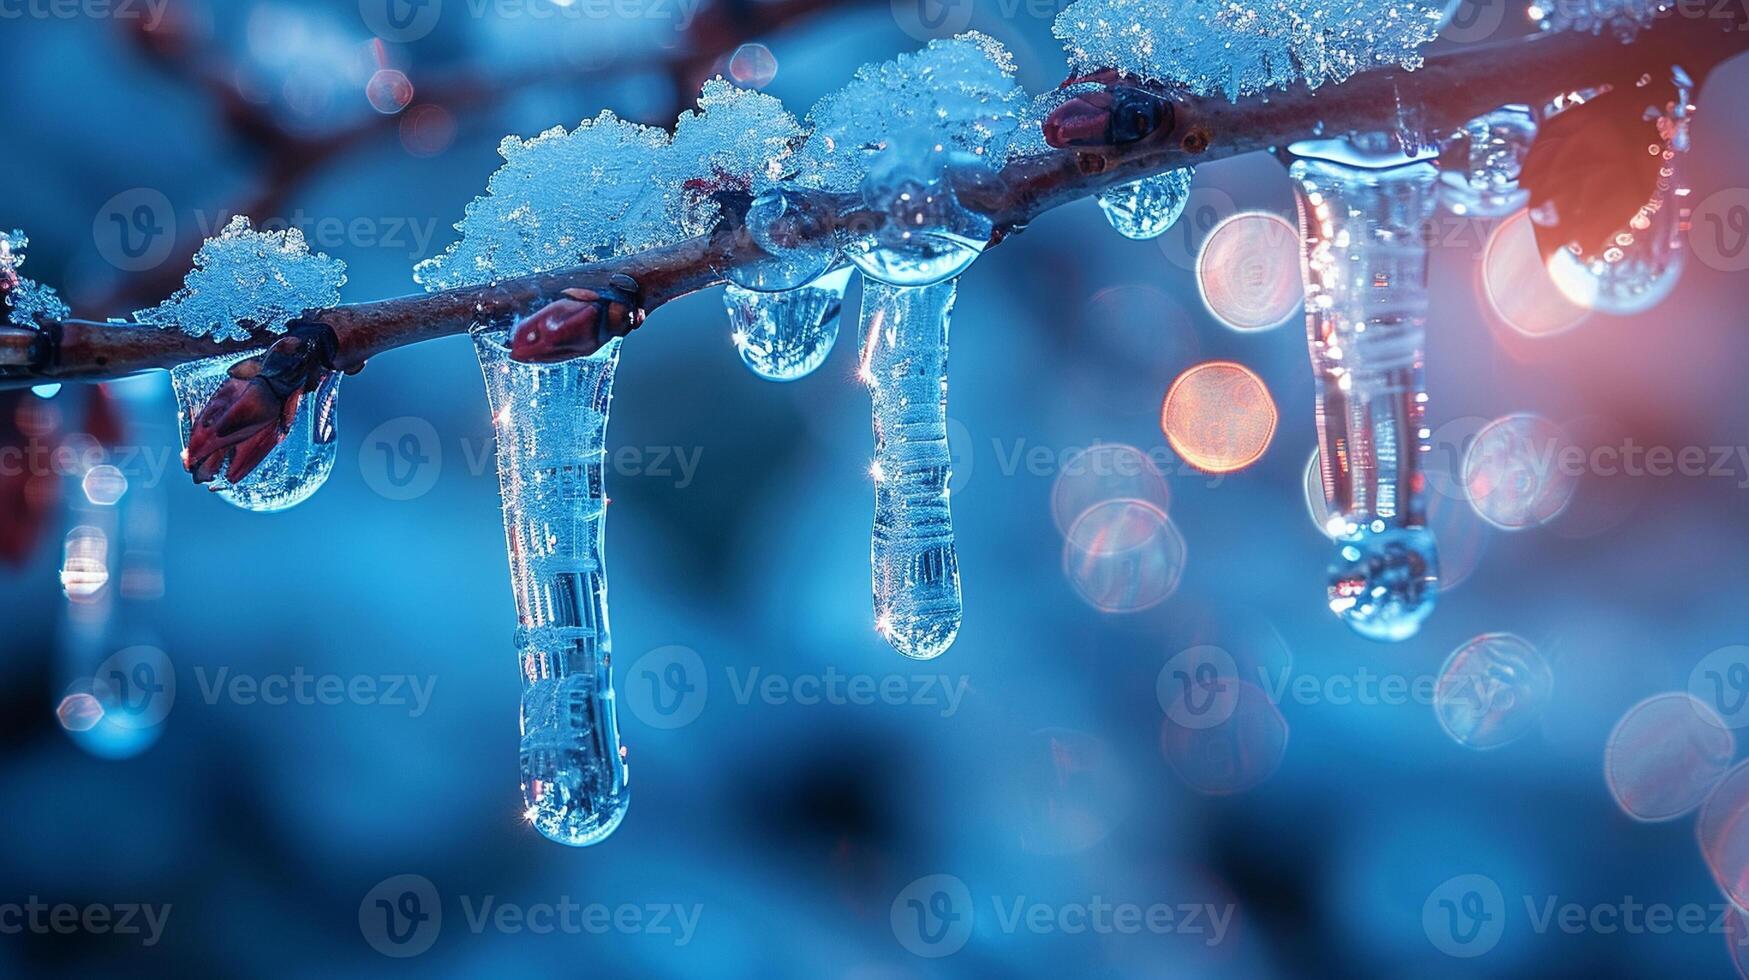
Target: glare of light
45,391
1218,416
389,91
104,485
85,569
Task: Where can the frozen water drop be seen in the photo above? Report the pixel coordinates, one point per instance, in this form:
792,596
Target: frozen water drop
1383,582
785,336
793,234
922,234
1492,691
1490,153
1665,755
297,467
1146,208
915,565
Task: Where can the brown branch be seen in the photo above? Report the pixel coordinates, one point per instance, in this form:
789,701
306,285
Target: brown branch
1449,90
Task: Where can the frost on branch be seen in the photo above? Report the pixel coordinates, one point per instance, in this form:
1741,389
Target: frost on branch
25,299
960,90
243,277
1242,47
611,187
1624,17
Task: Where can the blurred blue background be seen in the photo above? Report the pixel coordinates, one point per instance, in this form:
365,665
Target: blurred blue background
794,828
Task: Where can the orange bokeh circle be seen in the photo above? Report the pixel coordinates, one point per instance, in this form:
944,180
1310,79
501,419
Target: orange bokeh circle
1218,416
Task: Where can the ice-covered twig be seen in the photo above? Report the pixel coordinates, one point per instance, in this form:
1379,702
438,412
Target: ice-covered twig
1449,90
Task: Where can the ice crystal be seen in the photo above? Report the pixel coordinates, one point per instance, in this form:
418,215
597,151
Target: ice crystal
25,298
612,187
243,277
1624,17
961,90
1241,47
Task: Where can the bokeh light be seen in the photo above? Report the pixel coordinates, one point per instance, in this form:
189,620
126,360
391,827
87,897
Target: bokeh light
1723,831
1231,752
427,130
1070,789
1249,271
85,567
1492,691
1516,472
104,485
1108,471
1665,755
752,66
1218,416
389,91
1518,286
1124,556
79,712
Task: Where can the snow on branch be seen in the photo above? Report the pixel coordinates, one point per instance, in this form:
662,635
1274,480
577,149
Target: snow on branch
657,246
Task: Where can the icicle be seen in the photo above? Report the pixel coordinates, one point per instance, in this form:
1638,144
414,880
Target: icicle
1364,219
1642,264
296,468
1146,208
551,422
1490,154
785,336
904,364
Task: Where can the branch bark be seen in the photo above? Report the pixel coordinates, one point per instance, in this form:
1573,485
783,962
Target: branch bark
1449,90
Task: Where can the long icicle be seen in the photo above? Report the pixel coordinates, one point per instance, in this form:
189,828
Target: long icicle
904,363
1364,219
551,421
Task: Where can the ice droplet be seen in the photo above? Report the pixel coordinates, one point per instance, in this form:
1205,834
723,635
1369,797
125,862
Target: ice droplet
1491,150
1643,262
793,233
922,233
785,336
904,364
296,468
1146,208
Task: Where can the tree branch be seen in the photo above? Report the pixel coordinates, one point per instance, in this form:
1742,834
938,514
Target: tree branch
1448,91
